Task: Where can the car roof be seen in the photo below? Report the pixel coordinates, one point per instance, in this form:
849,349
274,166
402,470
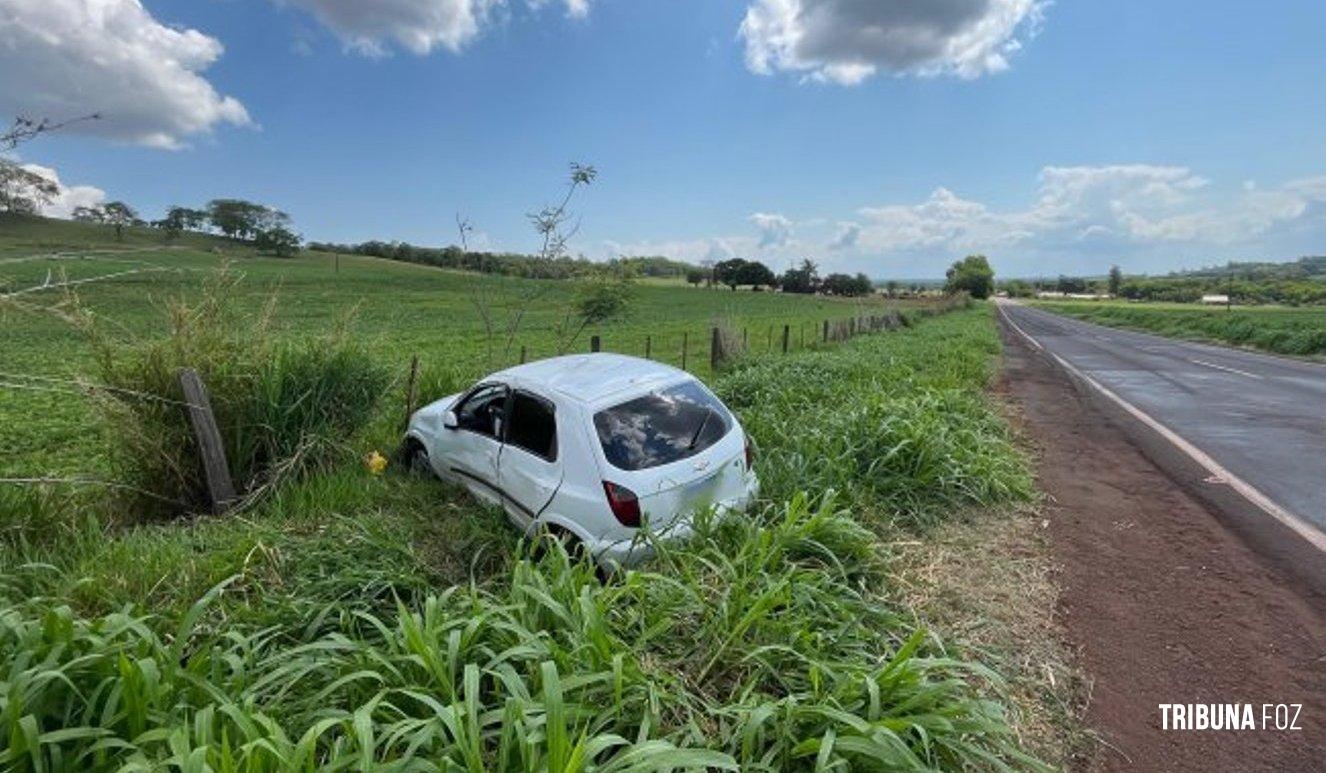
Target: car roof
589,378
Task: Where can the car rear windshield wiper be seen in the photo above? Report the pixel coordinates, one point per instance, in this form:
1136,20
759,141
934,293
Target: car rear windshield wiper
703,422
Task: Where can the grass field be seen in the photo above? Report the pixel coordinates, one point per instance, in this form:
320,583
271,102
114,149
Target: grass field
399,309
1283,330
356,620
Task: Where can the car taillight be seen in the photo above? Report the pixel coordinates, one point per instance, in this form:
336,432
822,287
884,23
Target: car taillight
625,505
750,453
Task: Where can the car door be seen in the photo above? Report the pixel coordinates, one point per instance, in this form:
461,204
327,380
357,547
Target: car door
475,445
530,468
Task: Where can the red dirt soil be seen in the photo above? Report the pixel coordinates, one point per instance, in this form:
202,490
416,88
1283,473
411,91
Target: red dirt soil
1163,602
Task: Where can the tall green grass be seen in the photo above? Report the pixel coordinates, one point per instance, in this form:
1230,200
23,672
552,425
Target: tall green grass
283,407
754,648
898,423
335,640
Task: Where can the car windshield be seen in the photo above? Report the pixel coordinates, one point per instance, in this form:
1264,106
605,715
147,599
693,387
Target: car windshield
661,427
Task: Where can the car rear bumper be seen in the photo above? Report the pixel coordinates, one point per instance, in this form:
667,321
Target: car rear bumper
630,552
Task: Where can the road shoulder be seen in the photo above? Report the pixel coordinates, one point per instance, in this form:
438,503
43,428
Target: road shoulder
1166,603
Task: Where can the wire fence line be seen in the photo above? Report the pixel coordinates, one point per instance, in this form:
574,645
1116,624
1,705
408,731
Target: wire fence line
53,384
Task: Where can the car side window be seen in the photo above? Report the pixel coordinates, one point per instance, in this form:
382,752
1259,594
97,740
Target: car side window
481,410
533,426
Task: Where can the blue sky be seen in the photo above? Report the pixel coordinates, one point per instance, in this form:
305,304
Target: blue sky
874,135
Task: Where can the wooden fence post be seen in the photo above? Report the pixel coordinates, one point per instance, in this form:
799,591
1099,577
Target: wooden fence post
216,471
412,385
715,349
595,344
685,338
745,345
787,330
826,331
648,345
522,355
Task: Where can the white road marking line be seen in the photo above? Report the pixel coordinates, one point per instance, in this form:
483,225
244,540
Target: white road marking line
1302,528
1222,367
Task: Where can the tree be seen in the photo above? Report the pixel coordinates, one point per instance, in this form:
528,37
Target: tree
23,191
696,276
728,272
1071,284
756,274
239,219
279,241
119,215
891,287
846,285
93,214
804,279
972,275
1116,280
184,219
1019,288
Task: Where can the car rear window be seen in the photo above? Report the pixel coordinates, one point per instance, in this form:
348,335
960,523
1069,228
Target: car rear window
661,427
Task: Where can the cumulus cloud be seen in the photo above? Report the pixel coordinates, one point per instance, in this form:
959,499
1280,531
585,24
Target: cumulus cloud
775,230
67,198
67,58
1127,204
847,41
847,237
418,26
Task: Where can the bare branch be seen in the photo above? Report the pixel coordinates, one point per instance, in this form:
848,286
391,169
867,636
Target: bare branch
25,129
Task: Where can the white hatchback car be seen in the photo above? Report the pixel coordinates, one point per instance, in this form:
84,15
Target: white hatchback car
594,446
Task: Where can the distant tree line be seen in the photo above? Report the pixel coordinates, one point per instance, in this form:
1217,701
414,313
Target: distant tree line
1296,283
267,228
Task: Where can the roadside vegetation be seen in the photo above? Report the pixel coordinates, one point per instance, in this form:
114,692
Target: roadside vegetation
343,618
1300,332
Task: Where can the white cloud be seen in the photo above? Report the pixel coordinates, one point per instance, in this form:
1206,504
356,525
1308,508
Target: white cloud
67,198
847,237
67,58
1131,204
847,41
1076,216
418,26
775,230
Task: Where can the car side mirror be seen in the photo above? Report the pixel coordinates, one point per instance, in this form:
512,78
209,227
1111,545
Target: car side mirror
449,420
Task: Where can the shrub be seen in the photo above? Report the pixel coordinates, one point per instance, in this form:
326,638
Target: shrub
282,408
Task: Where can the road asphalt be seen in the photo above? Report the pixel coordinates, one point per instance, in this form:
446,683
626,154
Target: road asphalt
1260,417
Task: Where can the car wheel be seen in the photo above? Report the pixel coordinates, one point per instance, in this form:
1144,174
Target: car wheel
416,458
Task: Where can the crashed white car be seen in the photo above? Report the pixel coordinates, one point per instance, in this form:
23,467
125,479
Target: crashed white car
592,447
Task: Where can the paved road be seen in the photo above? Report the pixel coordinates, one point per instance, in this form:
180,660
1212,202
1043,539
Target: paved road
1262,418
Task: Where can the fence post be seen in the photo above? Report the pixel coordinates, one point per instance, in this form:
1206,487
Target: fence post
801,328
594,343
745,344
685,338
648,345
522,355
826,331
216,472
787,330
410,389
715,349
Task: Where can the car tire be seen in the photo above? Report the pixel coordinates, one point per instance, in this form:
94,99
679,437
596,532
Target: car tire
416,458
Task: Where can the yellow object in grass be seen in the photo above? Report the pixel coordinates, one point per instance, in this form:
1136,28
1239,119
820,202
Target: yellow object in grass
375,462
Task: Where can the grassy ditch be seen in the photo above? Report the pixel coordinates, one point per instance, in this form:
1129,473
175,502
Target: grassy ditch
353,621
1300,332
